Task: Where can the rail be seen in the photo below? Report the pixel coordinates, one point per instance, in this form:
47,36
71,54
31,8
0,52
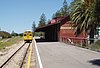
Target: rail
14,55
24,56
76,40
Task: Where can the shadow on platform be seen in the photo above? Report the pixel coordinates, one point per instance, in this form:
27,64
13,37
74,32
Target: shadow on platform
43,40
95,62
40,40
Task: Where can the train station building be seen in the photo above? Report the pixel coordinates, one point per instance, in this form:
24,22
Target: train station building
59,28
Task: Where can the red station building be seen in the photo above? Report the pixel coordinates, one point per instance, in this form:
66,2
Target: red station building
60,29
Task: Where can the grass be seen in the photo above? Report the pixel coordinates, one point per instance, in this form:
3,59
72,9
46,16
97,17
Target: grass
96,46
10,42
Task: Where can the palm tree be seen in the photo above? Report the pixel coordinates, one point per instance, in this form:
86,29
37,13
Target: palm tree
85,17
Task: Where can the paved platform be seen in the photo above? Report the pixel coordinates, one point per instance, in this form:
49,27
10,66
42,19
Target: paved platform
61,55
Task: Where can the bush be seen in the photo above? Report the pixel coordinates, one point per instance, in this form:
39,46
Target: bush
97,42
96,46
21,34
5,34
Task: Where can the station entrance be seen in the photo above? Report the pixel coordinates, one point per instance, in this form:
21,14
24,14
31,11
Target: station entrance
51,32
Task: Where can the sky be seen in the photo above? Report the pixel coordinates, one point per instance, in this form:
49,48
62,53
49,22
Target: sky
18,15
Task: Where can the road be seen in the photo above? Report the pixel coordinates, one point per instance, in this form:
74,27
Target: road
60,55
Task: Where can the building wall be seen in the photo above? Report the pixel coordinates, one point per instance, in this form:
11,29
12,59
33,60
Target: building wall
67,31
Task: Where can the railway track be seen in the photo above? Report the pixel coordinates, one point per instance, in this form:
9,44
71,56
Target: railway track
10,58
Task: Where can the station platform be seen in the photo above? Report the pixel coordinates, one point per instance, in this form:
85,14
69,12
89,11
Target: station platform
61,55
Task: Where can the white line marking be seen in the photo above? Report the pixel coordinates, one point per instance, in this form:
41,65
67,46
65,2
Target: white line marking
39,60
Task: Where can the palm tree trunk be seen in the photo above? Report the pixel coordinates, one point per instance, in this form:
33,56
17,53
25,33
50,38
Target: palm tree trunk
91,36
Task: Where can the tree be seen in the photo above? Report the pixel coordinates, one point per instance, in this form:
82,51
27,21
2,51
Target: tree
14,34
21,34
58,14
5,34
64,10
42,21
86,18
33,26
48,21
74,4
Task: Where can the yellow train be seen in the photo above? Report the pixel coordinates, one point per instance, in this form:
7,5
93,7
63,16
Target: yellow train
28,36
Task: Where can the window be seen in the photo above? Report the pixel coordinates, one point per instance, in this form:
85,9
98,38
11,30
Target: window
24,34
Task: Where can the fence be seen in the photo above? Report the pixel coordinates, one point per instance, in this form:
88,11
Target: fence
82,42
75,40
